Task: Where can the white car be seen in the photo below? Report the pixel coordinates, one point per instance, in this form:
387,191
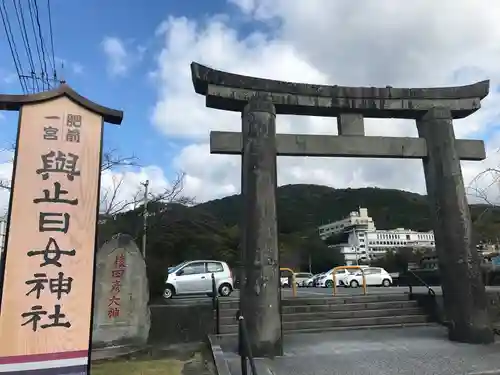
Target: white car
374,276
312,281
195,277
326,281
302,278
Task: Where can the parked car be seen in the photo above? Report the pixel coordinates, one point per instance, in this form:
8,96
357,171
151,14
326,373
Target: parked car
285,277
195,277
326,281
301,278
375,276
312,280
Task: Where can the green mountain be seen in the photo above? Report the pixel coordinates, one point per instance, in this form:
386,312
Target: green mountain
302,207
211,230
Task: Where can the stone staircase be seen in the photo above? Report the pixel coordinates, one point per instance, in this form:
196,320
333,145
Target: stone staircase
337,313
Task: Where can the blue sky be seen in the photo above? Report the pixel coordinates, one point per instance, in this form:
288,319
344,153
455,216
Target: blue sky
79,27
117,54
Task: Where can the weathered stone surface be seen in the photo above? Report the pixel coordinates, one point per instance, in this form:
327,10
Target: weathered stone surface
346,146
179,322
121,311
235,98
463,289
350,124
203,76
230,91
260,298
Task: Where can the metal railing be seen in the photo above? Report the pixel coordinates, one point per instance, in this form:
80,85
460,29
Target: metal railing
215,305
292,279
430,291
244,348
348,268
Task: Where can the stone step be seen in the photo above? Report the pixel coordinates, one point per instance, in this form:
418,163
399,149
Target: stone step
343,300
329,324
330,329
231,312
377,326
337,315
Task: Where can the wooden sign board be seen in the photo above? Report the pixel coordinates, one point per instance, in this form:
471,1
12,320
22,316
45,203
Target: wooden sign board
47,293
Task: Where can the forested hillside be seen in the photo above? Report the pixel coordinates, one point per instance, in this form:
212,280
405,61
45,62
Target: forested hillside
211,230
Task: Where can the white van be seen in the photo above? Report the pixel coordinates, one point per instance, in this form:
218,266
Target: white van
195,277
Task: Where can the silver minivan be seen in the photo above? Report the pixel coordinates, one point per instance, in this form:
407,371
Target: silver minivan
195,277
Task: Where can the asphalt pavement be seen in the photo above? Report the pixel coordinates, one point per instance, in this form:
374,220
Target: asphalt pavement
392,351
315,293
301,293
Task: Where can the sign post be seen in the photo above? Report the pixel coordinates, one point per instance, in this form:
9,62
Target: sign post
46,297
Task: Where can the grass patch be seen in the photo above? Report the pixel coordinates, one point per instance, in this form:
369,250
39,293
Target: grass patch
152,366
139,367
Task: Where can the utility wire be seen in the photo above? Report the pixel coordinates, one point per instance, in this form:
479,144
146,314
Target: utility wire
54,71
12,45
42,43
24,36
36,42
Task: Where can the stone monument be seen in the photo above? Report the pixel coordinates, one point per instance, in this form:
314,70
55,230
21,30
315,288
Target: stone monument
433,109
121,311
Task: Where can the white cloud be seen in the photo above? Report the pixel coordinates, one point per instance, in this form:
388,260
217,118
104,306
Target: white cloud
122,55
120,187
77,68
7,77
117,55
126,182
415,44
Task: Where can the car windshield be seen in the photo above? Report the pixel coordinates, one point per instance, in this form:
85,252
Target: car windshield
175,268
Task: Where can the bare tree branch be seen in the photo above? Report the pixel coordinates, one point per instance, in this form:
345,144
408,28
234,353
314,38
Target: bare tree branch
481,193
110,159
111,205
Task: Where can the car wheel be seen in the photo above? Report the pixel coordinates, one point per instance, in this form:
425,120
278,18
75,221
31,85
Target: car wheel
285,286
329,284
354,284
386,283
168,293
225,290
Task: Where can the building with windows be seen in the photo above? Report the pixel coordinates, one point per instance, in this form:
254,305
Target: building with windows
358,220
358,239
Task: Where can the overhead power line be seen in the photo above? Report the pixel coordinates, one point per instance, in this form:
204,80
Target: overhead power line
37,41
42,43
26,42
52,41
12,45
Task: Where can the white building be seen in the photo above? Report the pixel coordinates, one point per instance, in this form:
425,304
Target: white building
361,241
356,219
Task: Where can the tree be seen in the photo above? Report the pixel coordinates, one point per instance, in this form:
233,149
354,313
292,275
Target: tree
486,216
321,257
110,160
112,204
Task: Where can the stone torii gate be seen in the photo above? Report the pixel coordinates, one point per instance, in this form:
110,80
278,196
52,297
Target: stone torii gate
433,109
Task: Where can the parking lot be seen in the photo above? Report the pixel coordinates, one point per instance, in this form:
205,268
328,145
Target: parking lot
341,291
306,293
